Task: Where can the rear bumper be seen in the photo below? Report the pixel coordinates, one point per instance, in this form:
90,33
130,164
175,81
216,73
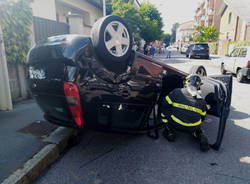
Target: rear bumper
55,121
246,72
200,54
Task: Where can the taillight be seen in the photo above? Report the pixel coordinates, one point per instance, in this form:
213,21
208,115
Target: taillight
248,64
73,98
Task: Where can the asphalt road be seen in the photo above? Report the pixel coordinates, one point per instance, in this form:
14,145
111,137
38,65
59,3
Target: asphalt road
122,159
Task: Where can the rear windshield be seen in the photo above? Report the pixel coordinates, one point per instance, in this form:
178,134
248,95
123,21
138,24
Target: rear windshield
201,46
47,53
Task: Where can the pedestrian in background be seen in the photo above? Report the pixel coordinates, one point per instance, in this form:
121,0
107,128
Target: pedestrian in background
134,47
168,51
148,50
145,49
152,51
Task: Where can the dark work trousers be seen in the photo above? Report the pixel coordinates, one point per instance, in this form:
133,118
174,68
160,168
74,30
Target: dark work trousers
171,125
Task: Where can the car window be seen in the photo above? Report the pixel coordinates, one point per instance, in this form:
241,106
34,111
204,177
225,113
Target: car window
243,52
200,47
234,53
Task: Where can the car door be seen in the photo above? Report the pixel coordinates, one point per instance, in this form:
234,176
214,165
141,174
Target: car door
230,60
240,61
217,91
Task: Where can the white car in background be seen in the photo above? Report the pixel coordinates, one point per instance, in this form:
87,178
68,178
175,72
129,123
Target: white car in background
184,49
238,62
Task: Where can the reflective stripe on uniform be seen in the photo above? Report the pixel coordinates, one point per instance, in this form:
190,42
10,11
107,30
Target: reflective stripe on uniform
185,124
186,107
164,120
162,115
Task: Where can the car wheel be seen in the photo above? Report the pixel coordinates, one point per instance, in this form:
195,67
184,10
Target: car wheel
207,57
186,55
198,69
239,76
222,69
112,41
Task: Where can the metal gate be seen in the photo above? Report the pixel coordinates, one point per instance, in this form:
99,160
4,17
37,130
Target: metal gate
44,28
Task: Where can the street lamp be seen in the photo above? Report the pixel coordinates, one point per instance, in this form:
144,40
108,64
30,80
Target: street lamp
104,7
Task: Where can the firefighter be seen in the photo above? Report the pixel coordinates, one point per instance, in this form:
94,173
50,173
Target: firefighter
184,109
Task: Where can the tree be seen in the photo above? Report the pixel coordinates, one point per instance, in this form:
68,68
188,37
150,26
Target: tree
206,34
144,22
16,17
128,12
151,27
166,39
173,30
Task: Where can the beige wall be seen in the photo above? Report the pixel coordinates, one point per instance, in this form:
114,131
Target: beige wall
216,19
44,8
248,33
228,30
94,13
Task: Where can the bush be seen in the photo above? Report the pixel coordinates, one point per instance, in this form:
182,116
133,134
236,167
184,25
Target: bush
16,17
213,48
240,43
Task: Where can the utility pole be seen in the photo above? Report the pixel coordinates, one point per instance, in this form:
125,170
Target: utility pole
104,7
5,95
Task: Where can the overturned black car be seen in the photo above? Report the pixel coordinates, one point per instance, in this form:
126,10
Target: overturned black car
100,83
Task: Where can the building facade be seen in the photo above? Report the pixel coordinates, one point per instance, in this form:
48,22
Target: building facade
185,32
207,13
79,14
234,27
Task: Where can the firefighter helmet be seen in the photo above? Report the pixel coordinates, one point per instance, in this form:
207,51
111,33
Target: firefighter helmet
194,80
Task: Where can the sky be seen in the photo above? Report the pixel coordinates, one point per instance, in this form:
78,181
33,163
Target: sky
173,11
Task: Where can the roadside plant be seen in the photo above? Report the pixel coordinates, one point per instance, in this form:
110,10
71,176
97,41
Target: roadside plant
15,21
206,34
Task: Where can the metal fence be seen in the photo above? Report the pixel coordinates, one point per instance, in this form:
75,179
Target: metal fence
44,28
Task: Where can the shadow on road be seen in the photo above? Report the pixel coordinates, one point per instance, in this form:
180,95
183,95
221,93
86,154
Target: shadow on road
123,159
237,115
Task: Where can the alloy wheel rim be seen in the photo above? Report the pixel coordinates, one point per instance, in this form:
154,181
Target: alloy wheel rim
116,38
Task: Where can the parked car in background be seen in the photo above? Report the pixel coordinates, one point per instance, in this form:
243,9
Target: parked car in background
200,50
184,49
100,83
237,62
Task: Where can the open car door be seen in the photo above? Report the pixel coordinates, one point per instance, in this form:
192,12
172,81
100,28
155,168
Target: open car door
217,91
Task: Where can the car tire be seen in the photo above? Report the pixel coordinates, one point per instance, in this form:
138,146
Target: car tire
198,69
239,76
222,69
112,41
207,57
186,56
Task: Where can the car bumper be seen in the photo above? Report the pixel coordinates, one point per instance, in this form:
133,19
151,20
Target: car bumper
246,72
200,54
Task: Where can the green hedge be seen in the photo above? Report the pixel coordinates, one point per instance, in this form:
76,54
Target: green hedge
213,47
240,43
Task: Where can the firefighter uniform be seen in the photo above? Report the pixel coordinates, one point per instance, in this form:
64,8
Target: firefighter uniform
182,111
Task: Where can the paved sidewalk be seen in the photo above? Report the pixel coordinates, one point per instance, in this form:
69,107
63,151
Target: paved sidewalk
16,147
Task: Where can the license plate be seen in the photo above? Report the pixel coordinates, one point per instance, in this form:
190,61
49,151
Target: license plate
36,73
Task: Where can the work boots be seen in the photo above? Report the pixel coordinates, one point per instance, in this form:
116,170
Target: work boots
169,134
200,136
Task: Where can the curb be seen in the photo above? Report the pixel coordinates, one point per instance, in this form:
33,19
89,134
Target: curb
58,141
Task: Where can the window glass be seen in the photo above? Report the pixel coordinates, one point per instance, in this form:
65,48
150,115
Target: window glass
229,17
234,53
201,46
243,52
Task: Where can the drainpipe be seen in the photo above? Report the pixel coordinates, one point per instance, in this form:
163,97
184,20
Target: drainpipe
5,95
104,7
